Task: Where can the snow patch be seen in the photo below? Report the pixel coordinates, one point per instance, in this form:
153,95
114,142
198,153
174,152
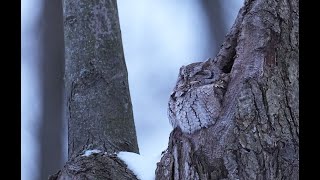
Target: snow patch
90,152
142,166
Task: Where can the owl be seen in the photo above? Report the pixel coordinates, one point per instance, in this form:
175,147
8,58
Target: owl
196,100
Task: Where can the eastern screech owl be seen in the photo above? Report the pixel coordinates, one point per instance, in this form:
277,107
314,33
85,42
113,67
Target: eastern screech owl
197,97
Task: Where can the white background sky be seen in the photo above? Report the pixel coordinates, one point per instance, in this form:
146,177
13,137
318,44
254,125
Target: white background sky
158,38
30,105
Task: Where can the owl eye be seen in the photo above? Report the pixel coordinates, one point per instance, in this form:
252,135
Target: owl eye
211,75
194,82
206,74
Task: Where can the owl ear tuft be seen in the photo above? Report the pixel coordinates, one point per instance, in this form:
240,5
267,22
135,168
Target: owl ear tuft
182,69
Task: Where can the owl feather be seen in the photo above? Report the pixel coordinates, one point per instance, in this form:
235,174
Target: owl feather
196,100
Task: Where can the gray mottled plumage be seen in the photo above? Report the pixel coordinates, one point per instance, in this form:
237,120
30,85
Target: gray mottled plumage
197,97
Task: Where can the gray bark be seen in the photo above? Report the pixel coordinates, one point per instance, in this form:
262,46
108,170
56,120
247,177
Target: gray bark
50,131
99,109
256,135
96,167
97,91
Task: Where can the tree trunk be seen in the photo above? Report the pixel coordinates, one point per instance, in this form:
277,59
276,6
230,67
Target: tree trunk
256,135
97,91
216,21
96,167
50,132
99,105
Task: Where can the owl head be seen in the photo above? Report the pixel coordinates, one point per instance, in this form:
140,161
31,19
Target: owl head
195,75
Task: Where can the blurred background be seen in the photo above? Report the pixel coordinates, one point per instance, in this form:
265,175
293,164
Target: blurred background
158,37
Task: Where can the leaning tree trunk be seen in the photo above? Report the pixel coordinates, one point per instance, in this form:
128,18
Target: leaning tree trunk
255,132
99,109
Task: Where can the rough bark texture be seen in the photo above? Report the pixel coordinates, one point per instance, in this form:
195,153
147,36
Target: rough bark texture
97,166
256,135
99,105
97,91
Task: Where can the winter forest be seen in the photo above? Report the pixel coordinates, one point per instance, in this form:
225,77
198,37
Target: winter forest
116,89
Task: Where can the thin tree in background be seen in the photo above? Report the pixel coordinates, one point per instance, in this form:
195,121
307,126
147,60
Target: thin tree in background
216,21
51,66
99,109
256,133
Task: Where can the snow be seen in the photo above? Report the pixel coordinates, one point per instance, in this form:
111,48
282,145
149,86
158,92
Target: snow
143,166
90,152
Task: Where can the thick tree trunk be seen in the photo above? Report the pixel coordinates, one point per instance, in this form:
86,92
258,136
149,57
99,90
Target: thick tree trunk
99,105
97,91
256,135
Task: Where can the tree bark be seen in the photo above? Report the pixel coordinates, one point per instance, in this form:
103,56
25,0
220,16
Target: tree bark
99,105
51,63
96,167
256,135
99,109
